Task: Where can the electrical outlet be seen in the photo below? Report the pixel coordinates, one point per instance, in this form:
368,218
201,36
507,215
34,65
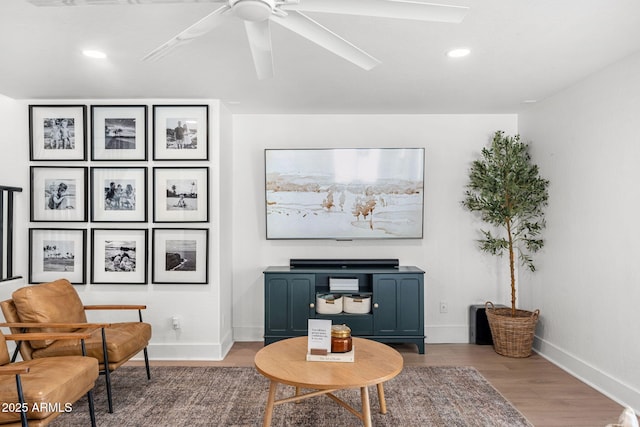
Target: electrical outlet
444,307
175,320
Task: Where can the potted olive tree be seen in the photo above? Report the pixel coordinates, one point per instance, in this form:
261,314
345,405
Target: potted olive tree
507,192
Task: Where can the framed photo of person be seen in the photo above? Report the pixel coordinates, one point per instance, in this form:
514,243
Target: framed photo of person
119,256
181,194
57,132
56,253
118,132
180,255
119,194
180,132
58,194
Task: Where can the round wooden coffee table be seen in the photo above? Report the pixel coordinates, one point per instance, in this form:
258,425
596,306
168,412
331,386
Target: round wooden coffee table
284,362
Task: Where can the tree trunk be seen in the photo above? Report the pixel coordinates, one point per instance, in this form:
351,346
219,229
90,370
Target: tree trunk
512,269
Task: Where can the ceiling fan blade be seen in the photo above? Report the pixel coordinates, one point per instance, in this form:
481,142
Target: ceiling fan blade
259,35
401,9
322,36
203,26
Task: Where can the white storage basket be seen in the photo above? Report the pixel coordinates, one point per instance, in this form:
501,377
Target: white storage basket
357,304
328,304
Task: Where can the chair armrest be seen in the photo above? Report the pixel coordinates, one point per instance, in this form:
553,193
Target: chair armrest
13,370
115,307
54,325
35,336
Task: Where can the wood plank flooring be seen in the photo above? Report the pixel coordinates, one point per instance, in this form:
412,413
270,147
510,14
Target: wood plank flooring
544,393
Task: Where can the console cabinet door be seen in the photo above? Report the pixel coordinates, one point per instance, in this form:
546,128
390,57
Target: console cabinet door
398,304
287,303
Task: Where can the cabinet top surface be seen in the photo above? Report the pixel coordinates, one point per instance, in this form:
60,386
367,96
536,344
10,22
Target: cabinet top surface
338,270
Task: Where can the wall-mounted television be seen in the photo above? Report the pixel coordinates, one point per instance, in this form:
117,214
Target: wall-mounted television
344,194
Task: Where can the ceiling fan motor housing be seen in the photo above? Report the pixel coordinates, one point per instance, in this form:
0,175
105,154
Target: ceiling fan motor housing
252,10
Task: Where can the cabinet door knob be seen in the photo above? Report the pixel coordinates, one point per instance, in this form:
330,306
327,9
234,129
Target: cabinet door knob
375,305
312,305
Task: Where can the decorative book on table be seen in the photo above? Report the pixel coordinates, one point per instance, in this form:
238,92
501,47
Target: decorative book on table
332,357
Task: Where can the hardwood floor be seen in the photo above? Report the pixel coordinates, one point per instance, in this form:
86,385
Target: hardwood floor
544,393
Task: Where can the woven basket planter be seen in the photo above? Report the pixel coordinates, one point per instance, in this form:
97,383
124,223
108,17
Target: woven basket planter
512,336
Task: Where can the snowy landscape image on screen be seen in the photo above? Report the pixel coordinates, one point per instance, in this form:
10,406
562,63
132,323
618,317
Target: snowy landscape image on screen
344,193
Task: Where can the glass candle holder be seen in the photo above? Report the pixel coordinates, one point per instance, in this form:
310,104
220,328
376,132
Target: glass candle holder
341,339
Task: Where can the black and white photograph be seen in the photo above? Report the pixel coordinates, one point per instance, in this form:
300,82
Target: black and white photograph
57,132
58,194
180,132
118,194
56,253
119,256
180,255
119,132
181,194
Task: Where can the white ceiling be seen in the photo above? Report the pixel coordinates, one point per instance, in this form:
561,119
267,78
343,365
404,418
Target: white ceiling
521,50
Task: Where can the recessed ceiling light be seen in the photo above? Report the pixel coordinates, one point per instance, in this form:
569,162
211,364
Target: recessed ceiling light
458,53
94,54
529,101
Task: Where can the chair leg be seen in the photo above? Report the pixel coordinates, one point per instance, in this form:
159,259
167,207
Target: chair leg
107,379
92,411
23,409
107,374
146,356
146,363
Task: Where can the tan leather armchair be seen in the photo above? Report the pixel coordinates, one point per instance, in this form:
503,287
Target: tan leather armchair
55,303
34,392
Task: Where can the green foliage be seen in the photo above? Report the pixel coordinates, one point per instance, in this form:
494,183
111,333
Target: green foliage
505,189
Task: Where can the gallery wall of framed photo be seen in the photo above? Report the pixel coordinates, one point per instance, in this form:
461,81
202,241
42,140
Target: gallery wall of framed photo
122,190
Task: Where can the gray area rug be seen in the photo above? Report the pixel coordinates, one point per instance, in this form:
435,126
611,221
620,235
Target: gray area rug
215,396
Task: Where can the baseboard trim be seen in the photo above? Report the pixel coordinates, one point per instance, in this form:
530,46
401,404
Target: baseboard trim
611,387
248,333
179,351
447,334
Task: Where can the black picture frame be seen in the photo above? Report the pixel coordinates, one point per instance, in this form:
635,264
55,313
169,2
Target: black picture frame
180,194
167,144
57,132
180,256
58,194
119,194
53,253
119,132
119,256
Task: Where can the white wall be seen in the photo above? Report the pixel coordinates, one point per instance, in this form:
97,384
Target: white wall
204,310
456,271
587,141
13,147
222,203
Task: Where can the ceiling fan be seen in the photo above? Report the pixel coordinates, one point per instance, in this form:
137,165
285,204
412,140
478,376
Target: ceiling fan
258,14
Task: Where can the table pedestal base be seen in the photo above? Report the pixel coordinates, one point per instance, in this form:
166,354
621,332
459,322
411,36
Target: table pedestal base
364,415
